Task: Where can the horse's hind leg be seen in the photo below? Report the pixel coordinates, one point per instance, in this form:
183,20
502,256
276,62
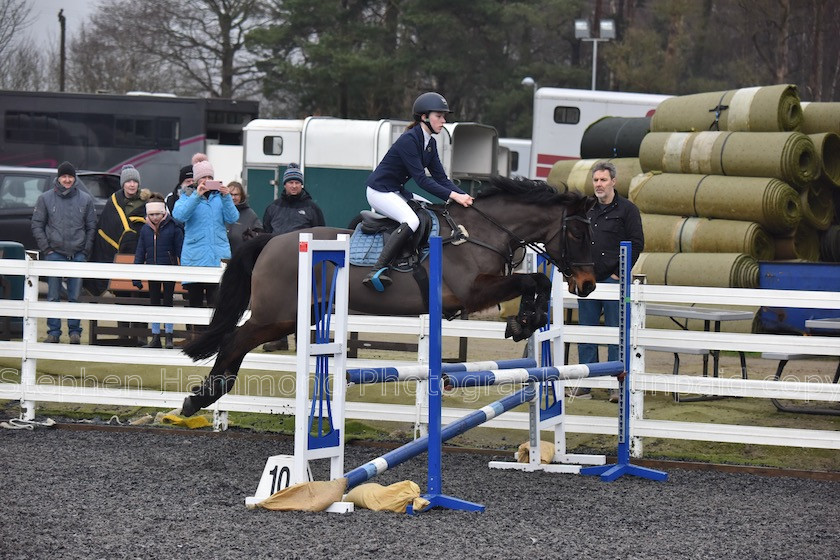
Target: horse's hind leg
222,376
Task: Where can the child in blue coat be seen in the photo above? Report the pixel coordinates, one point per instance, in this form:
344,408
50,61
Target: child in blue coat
160,242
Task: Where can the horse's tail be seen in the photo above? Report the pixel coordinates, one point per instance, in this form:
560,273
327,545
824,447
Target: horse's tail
232,299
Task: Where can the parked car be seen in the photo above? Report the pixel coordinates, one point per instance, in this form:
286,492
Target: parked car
20,188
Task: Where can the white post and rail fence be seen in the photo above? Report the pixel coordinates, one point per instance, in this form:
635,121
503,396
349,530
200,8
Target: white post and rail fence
120,391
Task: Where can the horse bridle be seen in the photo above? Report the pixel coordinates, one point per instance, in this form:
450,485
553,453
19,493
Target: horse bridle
566,269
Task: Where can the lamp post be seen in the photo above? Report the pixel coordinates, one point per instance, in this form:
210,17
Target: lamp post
607,33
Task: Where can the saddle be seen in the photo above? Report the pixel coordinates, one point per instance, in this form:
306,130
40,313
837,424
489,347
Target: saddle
373,230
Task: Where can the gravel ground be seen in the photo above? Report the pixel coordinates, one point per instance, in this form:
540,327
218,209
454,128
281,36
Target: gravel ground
153,494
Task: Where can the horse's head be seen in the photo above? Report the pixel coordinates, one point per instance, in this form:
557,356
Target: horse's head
573,252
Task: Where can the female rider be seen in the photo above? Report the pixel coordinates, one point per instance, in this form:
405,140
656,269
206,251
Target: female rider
413,152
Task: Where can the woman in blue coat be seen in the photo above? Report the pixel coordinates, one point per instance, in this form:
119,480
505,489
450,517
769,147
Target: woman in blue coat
204,213
159,242
411,155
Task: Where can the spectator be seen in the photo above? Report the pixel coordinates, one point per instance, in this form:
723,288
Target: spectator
159,242
614,219
248,224
123,216
204,213
294,210
185,185
63,224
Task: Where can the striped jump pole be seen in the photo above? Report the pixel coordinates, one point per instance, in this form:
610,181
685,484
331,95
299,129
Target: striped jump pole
530,375
608,473
408,451
421,372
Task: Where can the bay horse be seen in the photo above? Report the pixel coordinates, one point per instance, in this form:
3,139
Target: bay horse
507,215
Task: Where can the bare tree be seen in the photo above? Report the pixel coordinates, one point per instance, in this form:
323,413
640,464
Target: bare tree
21,63
196,46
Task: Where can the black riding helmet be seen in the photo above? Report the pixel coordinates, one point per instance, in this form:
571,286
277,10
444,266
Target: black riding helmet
428,102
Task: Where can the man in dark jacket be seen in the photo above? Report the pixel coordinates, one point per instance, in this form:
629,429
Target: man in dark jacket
63,224
614,219
295,209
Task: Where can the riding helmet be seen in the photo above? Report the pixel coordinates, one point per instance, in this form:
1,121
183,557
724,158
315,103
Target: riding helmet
428,102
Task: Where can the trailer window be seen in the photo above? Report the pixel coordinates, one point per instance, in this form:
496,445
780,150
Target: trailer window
273,145
566,115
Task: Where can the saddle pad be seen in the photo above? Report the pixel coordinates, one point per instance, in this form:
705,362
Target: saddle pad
366,248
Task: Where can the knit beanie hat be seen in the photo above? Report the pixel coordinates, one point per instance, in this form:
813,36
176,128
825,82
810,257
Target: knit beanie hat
292,173
66,168
129,173
201,167
185,173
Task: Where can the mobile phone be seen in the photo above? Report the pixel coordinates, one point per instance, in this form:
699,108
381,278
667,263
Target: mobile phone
212,185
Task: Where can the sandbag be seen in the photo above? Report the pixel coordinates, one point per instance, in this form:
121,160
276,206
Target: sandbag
306,496
717,270
754,109
395,497
820,117
614,137
817,206
547,450
577,174
828,149
769,202
801,244
789,156
675,234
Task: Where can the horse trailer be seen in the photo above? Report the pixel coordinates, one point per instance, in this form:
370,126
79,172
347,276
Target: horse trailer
337,155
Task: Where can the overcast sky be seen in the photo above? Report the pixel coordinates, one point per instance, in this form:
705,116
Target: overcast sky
45,28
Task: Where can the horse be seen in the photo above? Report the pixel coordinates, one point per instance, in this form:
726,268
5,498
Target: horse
478,257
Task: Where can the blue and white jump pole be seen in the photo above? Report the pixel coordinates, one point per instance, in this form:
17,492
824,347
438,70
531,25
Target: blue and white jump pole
608,473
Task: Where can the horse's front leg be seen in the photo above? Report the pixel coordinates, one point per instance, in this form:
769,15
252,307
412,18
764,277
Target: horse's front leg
534,290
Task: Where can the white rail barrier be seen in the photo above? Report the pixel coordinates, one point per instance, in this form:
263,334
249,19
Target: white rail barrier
29,351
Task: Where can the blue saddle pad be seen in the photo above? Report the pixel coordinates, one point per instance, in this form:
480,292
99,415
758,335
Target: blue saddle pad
365,248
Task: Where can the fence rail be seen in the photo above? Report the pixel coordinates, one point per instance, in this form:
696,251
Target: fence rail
29,351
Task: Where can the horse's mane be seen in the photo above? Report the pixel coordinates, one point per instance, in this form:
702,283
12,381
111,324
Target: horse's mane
529,191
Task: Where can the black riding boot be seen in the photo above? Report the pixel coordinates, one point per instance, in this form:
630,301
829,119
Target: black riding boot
377,279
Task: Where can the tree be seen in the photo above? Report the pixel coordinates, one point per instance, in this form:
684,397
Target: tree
192,46
22,65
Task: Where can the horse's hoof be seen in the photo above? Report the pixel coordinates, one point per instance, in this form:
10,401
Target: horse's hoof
188,408
513,329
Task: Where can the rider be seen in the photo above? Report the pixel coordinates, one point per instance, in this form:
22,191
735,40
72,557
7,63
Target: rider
413,152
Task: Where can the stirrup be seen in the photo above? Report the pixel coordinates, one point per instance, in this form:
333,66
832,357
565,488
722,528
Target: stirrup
376,281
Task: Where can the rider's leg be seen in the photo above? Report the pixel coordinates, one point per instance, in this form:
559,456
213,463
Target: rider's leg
395,207
392,248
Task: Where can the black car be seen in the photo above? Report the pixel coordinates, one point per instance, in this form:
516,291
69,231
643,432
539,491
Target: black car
20,188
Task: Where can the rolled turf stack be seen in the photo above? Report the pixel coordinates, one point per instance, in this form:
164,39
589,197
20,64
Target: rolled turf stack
733,270
820,117
803,244
755,109
769,202
788,156
675,234
577,174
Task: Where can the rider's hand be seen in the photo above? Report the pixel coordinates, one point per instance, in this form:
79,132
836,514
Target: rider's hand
462,199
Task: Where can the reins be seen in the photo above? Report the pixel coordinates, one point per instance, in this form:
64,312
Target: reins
566,269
